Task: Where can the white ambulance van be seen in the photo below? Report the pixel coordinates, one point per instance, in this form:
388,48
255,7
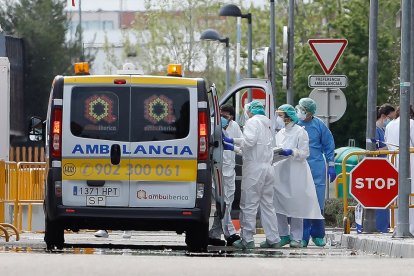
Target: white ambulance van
131,152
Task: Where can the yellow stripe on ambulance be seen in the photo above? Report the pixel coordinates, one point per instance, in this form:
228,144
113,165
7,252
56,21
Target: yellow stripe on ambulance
133,169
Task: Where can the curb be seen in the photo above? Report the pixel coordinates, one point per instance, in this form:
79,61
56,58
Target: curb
379,245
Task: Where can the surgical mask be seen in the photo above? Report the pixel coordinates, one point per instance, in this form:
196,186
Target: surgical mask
301,116
224,122
386,121
279,122
290,125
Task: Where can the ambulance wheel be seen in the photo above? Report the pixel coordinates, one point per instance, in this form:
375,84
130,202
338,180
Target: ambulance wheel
196,238
54,235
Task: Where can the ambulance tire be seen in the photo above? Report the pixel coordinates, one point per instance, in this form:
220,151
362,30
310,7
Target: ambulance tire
54,235
196,238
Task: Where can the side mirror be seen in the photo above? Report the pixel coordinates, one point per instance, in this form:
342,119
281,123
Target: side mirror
36,129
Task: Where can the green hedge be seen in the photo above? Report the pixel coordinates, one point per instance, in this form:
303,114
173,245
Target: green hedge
334,212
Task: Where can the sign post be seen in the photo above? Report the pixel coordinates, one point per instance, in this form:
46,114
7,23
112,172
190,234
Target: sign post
374,183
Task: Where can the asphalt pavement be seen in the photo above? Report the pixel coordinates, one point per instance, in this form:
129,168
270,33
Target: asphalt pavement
162,242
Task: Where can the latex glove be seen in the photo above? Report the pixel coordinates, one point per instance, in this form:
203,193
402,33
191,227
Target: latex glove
286,152
376,142
238,141
331,173
227,139
227,146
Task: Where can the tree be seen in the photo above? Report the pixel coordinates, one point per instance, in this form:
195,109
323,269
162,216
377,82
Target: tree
348,19
42,24
169,32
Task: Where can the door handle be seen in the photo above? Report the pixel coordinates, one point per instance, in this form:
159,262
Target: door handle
115,154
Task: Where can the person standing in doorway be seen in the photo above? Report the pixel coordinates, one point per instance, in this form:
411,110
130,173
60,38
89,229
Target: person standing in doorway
225,226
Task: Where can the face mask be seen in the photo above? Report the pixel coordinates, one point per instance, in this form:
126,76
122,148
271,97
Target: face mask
224,122
301,116
290,125
386,121
280,123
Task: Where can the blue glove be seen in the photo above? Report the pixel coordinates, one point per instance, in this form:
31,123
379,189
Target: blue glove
286,152
227,146
376,142
228,139
331,173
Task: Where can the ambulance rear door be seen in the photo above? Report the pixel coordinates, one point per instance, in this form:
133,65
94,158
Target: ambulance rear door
95,141
164,142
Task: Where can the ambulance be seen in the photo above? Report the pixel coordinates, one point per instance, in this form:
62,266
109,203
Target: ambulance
131,152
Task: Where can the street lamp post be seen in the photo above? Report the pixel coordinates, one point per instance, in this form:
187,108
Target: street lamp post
213,35
233,10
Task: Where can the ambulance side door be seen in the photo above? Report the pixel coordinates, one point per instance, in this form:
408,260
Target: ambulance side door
217,151
237,95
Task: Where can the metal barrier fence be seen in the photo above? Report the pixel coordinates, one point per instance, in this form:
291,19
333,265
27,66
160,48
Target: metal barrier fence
342,179
21,184
27,154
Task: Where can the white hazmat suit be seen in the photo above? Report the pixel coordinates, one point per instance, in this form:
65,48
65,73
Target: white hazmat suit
226,226
392,137
257,187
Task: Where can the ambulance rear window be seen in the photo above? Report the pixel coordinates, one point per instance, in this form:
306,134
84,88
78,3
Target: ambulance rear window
159,113
100,113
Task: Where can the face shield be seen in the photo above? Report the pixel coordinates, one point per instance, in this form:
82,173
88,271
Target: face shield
284,117
301,112
245,113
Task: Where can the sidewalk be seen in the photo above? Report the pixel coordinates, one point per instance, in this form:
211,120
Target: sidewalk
379,244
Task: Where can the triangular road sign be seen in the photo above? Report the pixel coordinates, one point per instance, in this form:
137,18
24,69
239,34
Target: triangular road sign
328,52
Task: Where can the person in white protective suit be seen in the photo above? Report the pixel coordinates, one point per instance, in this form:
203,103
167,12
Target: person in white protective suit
392,140
257,180
225,226
295,193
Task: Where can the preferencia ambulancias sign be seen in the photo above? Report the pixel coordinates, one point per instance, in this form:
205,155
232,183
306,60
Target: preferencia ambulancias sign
331,81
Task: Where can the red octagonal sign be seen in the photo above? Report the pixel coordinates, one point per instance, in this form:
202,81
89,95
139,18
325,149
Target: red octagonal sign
374,183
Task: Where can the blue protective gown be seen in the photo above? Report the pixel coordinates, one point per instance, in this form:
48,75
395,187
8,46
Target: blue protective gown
382,217
321,143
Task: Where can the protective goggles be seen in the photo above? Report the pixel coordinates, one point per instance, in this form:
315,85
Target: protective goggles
300,110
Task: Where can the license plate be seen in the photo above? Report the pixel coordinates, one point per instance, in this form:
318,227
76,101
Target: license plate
95,200
96,191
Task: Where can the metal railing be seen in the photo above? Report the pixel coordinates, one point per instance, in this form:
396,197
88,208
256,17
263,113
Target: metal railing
342,179
21,184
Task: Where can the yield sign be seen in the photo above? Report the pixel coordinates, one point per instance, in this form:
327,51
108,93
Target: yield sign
328,52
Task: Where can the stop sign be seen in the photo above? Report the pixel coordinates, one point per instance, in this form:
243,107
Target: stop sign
374,183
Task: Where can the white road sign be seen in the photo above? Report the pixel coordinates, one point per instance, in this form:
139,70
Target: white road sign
331,104
327,81
328,52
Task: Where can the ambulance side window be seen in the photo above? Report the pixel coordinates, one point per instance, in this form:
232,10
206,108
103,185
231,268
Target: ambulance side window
100,113
159,113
